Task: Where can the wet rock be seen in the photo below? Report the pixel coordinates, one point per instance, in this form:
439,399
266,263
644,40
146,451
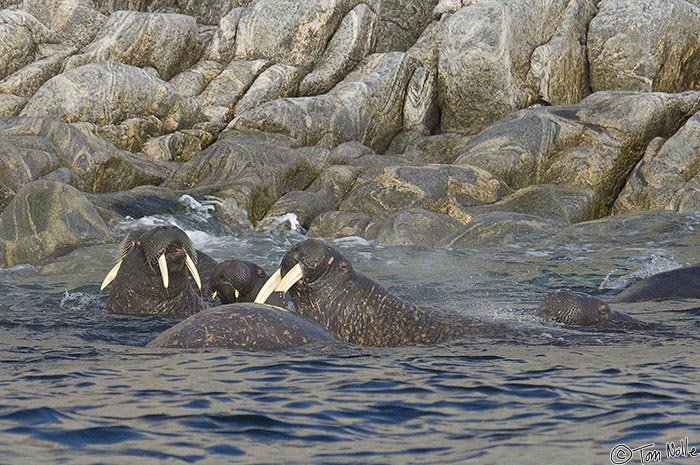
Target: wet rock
166,42
350,44
74,22
560,203
502,228
416,226
45,220
484,67
336,224
108,92
593,144
645,45
367,106
439,188
41,145
668,177
137,202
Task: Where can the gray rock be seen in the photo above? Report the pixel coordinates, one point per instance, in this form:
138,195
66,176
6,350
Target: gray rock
501,228
420,110
439,188
416,226
11,105
42,145
350,44
336,224
221,47
166,42
20,35
46,220
668,177
108,92
441,148
275,82
192,82
206,11
179,145
367,106
401,22
485,54
27,80
74,22
645,45
593,144
137,202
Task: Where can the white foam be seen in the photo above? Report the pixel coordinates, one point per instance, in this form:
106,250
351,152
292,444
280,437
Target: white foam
288,221
657,264
203,208
353,241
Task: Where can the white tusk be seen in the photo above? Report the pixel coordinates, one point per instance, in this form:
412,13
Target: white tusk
111,275
213,296
236,294
290,279
193,270
269,287
163,265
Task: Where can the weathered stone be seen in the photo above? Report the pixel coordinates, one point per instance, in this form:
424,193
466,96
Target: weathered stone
304,204
366,106
27,80
439,188
550,201
180,145
503,228
420,111
166,42
485,52
275,82
108,92
335,224
289,31
206,11
645,45
47,143
416,226
401,22
668,177
137,202
193,81
20,34
441,148
74,22
593,144
350,44
45,220
11,105
221,48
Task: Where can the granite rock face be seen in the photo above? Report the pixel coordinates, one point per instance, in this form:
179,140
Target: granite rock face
404,122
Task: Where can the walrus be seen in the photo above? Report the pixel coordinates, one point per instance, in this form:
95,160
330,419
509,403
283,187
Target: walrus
235,281
248,326
326,289
578,308
149,276
681,283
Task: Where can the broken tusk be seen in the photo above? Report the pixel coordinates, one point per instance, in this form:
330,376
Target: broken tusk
163,265
111,275
193,271
269,287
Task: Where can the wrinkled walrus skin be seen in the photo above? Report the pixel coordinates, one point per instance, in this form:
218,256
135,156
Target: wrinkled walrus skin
681,283
248,326
138,287
577,308
240,281
359,311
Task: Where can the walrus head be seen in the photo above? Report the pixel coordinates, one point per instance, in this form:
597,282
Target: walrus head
166,247
237,281
574,308
302,265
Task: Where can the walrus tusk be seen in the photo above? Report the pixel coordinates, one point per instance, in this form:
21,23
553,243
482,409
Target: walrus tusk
269,287
236,294
193,271
213,296
163,265
290,279
111,275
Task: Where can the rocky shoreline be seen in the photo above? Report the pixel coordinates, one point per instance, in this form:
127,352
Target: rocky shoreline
450,122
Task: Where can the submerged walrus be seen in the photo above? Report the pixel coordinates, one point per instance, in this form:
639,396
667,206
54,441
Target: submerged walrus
681,283
235,281
248,326
325,289
149,277
577,308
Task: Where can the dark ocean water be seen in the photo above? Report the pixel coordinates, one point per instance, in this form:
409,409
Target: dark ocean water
78,387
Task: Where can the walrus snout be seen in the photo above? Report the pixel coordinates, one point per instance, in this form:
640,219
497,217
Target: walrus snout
574,308
237,281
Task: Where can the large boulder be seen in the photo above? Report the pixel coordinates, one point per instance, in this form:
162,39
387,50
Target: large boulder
46,220
73,22
416,226
20,36
205,11
502,228
367,106
593,144
668,177
444,189
109,92
645,45
166,42
502,55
